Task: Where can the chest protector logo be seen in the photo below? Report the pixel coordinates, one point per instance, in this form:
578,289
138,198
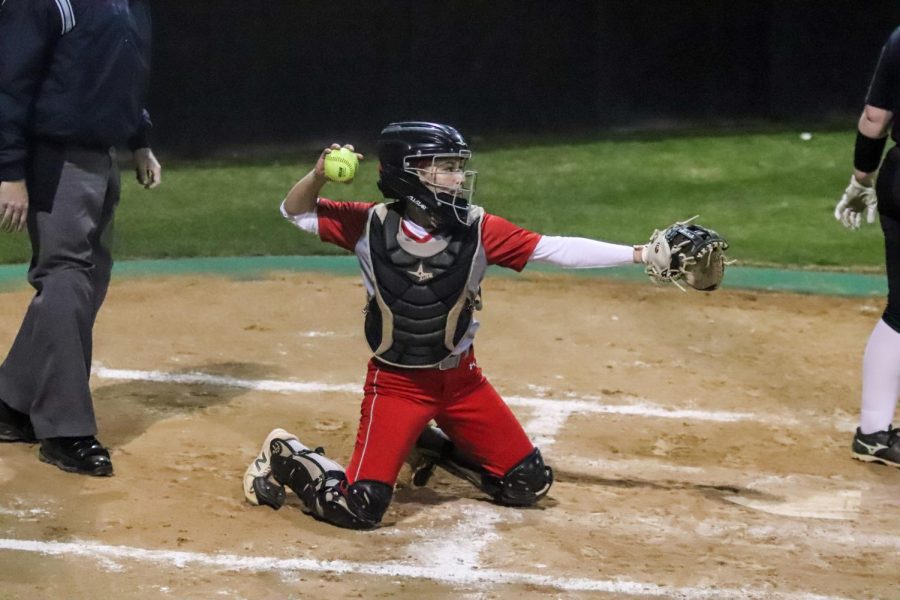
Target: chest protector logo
421,274
422,306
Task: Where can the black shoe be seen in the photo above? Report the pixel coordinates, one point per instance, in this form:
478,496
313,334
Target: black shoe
15,426
432,446
82,455
882,446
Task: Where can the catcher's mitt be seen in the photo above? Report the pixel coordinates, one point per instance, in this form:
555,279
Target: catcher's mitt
689,253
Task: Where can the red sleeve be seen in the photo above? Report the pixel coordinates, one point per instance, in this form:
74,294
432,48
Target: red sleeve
342,223
506,244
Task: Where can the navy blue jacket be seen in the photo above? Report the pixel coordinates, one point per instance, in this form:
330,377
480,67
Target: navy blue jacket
72,71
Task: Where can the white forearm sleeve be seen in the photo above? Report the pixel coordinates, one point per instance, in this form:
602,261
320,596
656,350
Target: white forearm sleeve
308,221
581,253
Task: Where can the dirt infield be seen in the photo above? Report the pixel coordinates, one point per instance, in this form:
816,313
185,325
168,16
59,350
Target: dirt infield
700,442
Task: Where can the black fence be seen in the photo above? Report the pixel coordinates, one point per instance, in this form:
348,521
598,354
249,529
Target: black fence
237,72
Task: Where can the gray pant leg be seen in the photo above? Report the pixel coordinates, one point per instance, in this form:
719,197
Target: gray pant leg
74,193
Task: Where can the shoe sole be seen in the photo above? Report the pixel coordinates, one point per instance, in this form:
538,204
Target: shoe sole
14,434
261,466
13,439
874,459
106,471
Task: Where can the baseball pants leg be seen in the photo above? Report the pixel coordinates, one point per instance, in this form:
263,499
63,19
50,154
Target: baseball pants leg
396,407
888,189
73,195
479,422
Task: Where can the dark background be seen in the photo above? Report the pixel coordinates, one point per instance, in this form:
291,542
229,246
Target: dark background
232,72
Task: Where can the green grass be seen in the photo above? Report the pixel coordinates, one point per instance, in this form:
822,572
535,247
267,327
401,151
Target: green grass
771,195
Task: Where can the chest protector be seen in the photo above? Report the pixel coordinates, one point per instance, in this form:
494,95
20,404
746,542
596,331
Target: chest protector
422,305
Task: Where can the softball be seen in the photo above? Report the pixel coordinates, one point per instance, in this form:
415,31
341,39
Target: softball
340,165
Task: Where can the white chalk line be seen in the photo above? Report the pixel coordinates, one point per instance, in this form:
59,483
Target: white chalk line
544,424
266,385
569,406
461,545
638,410
460,576
32,514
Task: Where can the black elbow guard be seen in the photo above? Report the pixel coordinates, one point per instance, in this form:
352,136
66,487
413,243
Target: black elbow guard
867,153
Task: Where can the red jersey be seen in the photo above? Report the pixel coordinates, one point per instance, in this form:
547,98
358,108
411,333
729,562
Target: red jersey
505,244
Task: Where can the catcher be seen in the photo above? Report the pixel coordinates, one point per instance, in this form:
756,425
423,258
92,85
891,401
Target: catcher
423,255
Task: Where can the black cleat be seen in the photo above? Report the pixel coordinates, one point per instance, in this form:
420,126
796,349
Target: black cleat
82,455
431,447
15,426
268,493
422,473
881,447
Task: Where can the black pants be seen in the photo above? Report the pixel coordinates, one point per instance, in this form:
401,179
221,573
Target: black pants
888,190
73,193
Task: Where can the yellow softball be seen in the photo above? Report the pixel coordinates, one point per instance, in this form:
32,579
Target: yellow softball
340,165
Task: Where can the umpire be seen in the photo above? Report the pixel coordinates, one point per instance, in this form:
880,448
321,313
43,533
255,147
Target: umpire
73,78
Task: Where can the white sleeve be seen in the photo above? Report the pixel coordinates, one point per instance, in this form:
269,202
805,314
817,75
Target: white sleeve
308,221
581,253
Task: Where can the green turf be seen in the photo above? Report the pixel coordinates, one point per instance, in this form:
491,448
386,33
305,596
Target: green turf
12,277
770,194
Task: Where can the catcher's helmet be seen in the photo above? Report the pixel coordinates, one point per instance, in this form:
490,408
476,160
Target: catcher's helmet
404,150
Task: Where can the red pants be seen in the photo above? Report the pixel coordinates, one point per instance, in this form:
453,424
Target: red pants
398,403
